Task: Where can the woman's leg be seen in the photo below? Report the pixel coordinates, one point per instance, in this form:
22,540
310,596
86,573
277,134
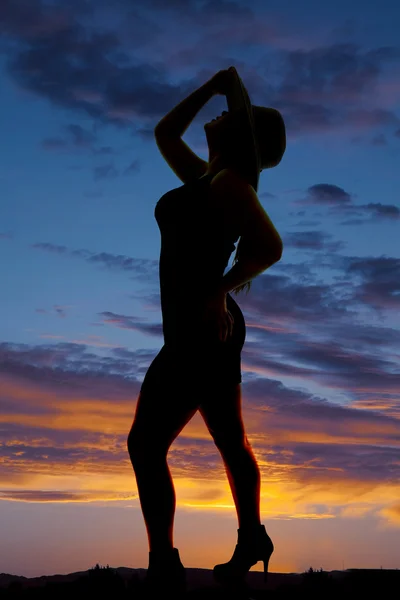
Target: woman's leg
160,416
156,494
223,417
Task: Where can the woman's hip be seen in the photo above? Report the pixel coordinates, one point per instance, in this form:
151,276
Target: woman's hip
184,330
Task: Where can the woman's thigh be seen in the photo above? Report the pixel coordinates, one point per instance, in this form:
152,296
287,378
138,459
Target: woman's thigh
194,374
221,410
166,403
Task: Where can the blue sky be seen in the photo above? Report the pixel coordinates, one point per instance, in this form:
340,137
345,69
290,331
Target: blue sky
82,86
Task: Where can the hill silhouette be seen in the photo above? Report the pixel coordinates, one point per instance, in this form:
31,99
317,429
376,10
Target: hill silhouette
123,583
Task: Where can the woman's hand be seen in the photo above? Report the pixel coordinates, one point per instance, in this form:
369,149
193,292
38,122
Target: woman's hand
222,81
218,316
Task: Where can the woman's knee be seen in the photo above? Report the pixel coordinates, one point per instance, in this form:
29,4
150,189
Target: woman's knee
136,443
231,442
142,446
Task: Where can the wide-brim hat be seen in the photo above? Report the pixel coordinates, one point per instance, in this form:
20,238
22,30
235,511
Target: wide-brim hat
263,135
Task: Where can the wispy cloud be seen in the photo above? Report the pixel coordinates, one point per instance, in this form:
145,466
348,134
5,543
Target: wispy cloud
77,137
66,412
140,267
59,311
107,171
340,203
319,88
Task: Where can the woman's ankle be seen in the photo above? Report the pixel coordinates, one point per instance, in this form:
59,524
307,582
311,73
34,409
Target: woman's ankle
250,526
161,549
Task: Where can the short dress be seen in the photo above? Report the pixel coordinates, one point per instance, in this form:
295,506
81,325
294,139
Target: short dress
195,249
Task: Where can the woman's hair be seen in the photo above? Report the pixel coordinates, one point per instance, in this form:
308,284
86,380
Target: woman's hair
229,148
235,137
239,253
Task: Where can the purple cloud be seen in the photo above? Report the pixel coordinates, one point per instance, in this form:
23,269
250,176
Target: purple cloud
56,53
140,266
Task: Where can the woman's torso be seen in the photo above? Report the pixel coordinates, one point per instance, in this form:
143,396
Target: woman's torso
197,239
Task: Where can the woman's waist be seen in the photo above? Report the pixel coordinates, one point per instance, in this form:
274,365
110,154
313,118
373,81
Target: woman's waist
187,298
186,318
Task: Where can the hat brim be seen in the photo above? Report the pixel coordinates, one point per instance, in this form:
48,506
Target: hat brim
238,100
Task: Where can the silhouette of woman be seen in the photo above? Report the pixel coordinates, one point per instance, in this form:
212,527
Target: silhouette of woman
199,365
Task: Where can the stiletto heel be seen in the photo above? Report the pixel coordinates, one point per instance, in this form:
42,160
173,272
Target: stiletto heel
266,561
253,545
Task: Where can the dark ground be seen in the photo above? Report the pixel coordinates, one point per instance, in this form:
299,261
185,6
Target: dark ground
124,584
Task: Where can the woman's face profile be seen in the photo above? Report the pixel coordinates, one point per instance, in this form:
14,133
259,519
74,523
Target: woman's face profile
220,129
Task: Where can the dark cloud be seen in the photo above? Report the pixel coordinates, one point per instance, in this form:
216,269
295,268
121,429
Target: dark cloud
41,496
377,209
321,86
339,202
140,266
339,67
39,446
57,249
105,172
134,167
67,370
380,281
19,406
376,117
134,323
372,283
47,436
333,463
68,367
317,421
55,52
59,310
78,138
75,67
33,20
327,463
312,240
328,194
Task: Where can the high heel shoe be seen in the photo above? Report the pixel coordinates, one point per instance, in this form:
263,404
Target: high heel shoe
165,572
252,546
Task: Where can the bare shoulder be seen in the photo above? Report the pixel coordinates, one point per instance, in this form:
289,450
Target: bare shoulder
225,188
234,191
226,178
251,219
229,184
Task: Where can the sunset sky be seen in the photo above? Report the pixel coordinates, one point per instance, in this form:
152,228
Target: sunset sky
83,83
